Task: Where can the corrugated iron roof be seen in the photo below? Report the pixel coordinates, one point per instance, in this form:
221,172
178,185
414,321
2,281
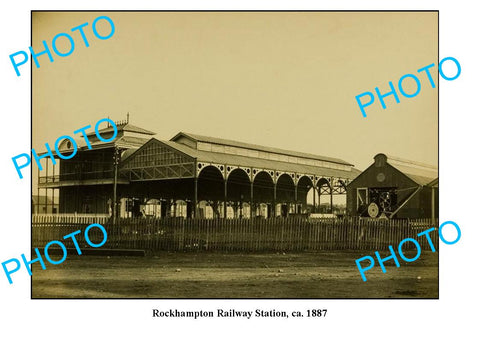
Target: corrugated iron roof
125,127
122,142
236,160
407,162
129,141
220,141
418,172
419,179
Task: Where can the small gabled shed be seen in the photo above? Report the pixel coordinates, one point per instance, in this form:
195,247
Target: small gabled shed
394,188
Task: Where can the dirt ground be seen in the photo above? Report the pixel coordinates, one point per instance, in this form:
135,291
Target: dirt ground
220,275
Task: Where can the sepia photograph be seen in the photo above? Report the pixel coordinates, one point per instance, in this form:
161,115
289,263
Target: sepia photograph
235,154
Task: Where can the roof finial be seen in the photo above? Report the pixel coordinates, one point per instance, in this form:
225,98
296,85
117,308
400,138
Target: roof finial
128,117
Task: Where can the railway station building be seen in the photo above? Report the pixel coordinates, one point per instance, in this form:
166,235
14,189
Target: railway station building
188,175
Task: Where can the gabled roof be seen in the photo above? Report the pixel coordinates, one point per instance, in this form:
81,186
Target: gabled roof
220,141
126,142
125,127
422,178
140,137
245,161
420,173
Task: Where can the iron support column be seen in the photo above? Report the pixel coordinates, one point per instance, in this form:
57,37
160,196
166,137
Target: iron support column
251,200
331,195
225,199
314,204
274,199
296,199
195,196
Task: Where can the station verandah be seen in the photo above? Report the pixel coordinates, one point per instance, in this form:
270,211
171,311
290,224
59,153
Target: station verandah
192,176
217,197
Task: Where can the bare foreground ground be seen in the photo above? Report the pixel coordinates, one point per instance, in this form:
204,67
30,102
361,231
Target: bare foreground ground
233,275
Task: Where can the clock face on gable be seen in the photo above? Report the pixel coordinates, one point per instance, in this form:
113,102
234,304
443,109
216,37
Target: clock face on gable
380,177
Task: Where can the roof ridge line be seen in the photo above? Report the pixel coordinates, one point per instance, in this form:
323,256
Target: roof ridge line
258,147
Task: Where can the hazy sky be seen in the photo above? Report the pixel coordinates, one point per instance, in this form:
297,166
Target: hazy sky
281,79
